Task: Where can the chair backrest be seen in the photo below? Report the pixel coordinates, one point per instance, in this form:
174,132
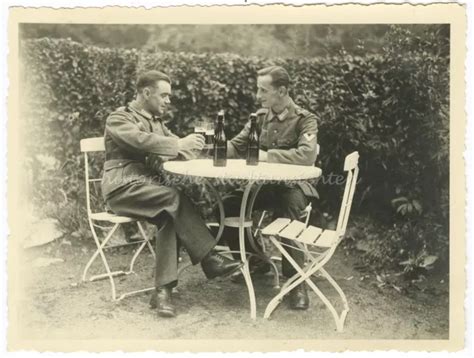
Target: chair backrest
93,144
352,169
90,145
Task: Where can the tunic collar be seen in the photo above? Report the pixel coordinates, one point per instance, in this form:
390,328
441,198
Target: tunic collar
288,111
134,107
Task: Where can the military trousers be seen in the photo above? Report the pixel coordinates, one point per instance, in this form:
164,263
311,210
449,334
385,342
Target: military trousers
284,201
176,219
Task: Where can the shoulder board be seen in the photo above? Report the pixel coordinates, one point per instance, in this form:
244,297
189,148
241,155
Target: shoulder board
128,113
122,109
302,112
299,110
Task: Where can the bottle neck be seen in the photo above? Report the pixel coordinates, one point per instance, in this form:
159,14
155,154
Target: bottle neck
253,125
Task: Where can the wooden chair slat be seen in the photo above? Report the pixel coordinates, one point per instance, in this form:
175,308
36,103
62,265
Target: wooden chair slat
293,230
310,235
276,226
327,238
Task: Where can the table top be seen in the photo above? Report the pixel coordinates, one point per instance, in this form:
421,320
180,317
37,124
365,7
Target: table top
237,169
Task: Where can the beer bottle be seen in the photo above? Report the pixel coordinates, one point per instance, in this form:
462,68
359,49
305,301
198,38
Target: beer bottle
253,142
220,142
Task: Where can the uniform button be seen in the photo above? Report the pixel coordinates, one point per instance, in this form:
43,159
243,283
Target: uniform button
274,144
275,131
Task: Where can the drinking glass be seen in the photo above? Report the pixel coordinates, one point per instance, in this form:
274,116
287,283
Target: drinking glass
209,136
200,127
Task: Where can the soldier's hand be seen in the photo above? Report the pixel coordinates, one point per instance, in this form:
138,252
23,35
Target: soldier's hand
191,142
262,156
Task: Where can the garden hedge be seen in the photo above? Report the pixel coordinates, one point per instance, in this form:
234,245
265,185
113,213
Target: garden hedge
392,107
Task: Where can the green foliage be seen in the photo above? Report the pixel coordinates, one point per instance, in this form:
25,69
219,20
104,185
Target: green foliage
392,107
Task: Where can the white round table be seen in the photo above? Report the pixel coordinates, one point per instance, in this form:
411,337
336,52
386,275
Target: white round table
237,170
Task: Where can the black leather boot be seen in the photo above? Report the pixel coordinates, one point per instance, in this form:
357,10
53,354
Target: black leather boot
214,265
299,299
161,299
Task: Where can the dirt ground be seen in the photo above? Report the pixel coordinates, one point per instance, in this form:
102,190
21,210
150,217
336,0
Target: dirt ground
58,306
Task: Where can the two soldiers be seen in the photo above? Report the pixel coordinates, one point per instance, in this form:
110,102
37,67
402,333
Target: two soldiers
135,132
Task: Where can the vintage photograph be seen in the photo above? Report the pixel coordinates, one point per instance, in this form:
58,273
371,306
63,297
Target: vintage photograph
236,181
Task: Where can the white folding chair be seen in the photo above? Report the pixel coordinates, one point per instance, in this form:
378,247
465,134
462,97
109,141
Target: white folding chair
318,245
97,145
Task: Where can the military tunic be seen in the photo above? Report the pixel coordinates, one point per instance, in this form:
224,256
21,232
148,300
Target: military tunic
133,136
289,137
130,187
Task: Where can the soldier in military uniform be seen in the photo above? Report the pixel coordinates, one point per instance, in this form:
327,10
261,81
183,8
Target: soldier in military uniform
136,137
287,135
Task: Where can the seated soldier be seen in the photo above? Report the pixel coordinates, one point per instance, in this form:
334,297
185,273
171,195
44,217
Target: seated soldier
287,135
134,135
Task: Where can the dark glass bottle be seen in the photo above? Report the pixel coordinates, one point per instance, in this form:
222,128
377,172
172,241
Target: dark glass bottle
253,144
220,142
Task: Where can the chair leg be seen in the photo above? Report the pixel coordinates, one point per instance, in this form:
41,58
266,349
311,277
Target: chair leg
341,294
100,252
146,242
145,237
109,274
141,247
136,292
305,276
135,256
289,284
276,275
260,253
275,301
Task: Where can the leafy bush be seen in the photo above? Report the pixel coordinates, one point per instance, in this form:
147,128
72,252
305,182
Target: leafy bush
392,107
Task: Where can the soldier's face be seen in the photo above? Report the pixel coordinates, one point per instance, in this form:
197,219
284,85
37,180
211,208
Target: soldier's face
267,95
158,97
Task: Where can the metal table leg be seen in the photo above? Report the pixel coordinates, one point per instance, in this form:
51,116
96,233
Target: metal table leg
257,250
243,255
246,209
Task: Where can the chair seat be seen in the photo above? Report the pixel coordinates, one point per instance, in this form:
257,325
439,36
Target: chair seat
295,230
276,226
113,218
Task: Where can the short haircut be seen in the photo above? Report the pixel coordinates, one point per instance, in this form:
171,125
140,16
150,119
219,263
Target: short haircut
150,78
278,74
